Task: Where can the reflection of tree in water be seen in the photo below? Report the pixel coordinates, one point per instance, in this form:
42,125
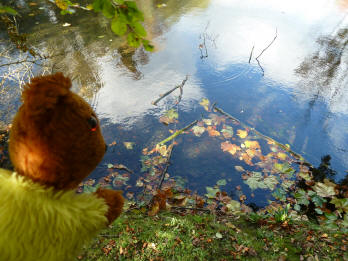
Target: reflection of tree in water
130,57
324,73
89,38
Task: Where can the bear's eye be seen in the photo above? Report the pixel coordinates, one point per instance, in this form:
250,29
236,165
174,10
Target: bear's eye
93,122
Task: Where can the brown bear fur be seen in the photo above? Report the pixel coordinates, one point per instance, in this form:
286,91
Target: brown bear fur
52,141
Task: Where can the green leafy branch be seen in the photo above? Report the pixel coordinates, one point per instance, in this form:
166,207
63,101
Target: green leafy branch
126,19
7,10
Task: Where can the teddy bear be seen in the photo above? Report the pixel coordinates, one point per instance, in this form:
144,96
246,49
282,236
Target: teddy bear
55,142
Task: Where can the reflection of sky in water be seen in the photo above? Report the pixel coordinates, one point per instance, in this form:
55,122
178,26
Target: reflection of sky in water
281,98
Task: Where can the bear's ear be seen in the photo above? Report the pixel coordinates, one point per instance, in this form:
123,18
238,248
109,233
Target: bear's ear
43,93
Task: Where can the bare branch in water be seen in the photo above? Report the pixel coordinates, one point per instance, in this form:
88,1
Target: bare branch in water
170,91
251,53
257,58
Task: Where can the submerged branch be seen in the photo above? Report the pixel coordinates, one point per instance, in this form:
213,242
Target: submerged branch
284,147
257,58
167,165
170,91
177,133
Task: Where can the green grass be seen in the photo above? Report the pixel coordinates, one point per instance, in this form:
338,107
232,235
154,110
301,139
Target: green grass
171,236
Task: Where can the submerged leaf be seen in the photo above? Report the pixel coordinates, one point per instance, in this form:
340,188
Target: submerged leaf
221,182
227,132
169,117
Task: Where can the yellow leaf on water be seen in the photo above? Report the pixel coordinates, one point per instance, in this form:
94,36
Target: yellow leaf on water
205,103
281,155
242,133
252,144
128,145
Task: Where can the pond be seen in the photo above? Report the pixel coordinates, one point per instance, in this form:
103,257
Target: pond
295,92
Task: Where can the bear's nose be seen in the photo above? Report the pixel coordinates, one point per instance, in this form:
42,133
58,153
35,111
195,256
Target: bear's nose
106,147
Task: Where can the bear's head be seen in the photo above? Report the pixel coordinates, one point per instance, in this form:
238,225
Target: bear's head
55,138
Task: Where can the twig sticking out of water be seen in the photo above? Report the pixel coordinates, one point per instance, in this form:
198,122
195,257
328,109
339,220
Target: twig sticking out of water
257,58
294,154
251,53
177,133
170,91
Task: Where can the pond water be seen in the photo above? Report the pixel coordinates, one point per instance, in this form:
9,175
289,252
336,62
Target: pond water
297,94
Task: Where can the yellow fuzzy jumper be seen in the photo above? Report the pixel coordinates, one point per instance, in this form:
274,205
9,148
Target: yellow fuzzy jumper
40,224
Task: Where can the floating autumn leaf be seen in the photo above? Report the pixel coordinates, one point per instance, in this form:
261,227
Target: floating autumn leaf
326,189
212,131
122,167
208,121
286,184
231,148
251,152
139,183
205,103
233,206
239,168
281,156
128,145
252,144
271,182
304,175
256,180
283,168
113,143
169,117
247,159
163,150
211,192
198,130
227,132
242,133
110,166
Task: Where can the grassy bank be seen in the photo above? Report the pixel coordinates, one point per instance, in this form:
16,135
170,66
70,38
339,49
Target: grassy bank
174,236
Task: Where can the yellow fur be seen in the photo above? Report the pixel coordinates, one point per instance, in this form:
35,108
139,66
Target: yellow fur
39,224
